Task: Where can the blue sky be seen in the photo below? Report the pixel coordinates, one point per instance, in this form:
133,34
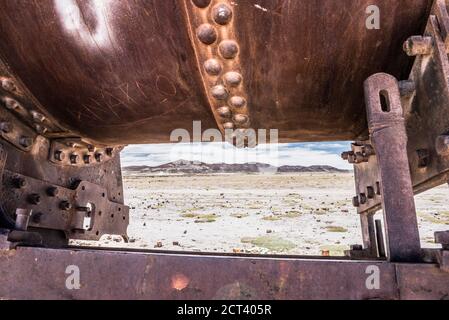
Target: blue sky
305,154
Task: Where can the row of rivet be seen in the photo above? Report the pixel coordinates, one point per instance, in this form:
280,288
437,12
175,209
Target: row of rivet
38,119
80,153
231,110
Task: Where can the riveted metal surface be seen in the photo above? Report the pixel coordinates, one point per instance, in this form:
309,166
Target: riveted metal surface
122,72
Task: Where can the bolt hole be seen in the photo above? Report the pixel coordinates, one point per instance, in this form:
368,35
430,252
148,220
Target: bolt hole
384,101
100,213
119,209
112,216
97,233
83,188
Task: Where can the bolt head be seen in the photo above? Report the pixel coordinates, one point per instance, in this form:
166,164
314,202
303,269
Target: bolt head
87,159
19,183
418,45
74,158
59,155
65,205
109,152
26,142
6,127
356,202
99,157
8,85
34,199
363,198
53,191
371,192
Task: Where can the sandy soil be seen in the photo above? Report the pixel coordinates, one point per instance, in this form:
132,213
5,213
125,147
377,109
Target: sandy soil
243,213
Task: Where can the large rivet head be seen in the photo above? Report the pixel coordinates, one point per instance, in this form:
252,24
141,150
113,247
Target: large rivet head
224,112
37,117
222,14
8,85
6,127
220,92
201,3
240,119
213,67
26,142
206,33
233,79
229,49
237,102
11,104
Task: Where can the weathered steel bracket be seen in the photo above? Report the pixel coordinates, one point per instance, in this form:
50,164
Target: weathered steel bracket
424,98
83,213
388,136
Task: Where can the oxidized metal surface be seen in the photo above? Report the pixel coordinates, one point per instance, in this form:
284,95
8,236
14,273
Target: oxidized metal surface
79,202
388,135
122,72
28,273
212,28
425,101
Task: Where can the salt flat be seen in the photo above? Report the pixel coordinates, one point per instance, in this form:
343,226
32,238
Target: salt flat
298,213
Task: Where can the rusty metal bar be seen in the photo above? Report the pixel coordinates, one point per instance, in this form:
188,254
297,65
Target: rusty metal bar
34,273
388,134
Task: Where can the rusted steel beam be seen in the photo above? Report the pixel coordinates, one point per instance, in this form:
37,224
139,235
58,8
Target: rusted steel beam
389,138
32,273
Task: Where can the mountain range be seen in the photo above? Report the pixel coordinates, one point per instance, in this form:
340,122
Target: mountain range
195,167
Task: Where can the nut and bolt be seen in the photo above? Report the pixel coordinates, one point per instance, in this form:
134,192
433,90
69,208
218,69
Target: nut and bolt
26,142
363,198
53,192
37,217
6,127
371,192
19,183
418,45
110,152
87,158
65,205
442,145
407,88
99,157
59,155
74,158
356,247
356,202
34,199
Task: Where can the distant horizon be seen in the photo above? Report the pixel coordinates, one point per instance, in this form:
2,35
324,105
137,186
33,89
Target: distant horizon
246,163
291,154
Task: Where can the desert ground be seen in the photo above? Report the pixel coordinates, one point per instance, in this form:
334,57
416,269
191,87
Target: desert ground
298,214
